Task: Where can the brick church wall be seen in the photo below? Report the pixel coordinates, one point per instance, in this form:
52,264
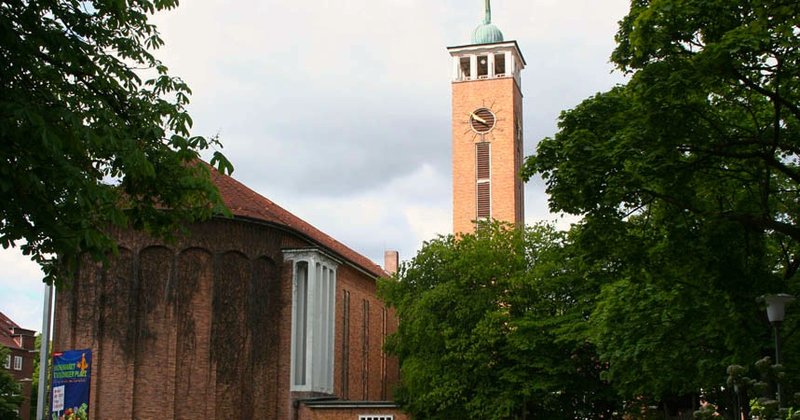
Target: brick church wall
201,328
313,413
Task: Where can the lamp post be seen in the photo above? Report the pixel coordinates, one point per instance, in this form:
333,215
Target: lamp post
776,312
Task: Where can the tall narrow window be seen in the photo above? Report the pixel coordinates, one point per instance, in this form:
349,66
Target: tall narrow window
465,68
313,320
346,345
500,65
320,327
301,323
384,316
483,190
331,326
483,67
365,350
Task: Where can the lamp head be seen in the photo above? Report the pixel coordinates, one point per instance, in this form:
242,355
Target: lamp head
776,306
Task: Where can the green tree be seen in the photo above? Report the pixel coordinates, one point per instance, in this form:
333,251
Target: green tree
10,392
492,326
94,132
687,179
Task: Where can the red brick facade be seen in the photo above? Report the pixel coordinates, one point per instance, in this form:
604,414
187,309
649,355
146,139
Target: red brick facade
320,410
201,328
505,99
21,345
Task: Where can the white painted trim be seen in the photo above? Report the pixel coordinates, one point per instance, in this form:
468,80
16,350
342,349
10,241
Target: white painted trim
509,47
473,67
306,254
320,315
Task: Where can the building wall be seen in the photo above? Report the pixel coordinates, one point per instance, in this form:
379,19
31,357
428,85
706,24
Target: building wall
24,377
315,413
368,374
196,329
503,97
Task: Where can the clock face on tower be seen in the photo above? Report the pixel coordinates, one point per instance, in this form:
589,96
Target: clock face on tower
482,120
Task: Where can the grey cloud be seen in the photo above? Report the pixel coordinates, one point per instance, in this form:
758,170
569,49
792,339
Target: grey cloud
347,103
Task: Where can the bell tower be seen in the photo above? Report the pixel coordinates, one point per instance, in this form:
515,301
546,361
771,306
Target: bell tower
487,128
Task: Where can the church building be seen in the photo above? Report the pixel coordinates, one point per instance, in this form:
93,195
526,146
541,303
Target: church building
264,316
256,316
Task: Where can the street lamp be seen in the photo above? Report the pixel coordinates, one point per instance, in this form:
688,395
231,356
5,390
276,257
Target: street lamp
776,311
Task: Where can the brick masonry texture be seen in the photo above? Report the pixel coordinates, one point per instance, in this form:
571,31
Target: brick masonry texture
20,342
503,97
201,328
307,413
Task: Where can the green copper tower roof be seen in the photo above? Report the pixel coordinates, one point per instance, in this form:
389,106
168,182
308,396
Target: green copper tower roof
487,33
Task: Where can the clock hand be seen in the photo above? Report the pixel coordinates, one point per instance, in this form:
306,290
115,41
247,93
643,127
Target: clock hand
477,118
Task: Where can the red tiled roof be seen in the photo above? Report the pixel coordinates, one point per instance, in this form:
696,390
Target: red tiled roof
244,202
6,325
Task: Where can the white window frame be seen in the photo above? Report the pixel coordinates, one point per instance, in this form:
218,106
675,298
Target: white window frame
7,363
376,417
313,306
17,362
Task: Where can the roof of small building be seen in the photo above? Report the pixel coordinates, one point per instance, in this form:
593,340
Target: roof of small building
6,328
246,203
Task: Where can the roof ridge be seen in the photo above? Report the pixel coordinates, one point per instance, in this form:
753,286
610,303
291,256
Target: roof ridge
6,325
256,206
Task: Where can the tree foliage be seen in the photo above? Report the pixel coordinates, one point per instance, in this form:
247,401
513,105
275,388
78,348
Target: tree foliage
688,182
93,131
492,327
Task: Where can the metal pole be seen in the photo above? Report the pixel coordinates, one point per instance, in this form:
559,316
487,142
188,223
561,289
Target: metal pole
44,351
776,326
738,409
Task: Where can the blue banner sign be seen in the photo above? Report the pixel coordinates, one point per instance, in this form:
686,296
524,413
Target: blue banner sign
69,398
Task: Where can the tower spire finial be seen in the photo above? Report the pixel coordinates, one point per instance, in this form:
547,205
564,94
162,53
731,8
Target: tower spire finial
486,33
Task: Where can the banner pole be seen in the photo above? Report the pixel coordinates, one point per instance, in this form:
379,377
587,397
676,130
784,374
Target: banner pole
44,351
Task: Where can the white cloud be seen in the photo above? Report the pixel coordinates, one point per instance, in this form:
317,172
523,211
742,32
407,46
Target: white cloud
21,289
340,110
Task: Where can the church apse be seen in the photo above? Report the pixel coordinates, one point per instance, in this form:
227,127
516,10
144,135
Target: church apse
183,331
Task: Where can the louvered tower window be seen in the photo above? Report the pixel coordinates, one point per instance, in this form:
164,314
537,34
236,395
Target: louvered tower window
483,184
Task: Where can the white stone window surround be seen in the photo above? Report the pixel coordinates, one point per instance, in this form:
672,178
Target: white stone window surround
7,363
17,362
313,319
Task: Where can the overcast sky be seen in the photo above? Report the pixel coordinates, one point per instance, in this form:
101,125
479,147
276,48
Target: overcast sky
339,111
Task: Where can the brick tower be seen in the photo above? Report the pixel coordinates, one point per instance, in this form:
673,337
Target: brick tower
487,129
